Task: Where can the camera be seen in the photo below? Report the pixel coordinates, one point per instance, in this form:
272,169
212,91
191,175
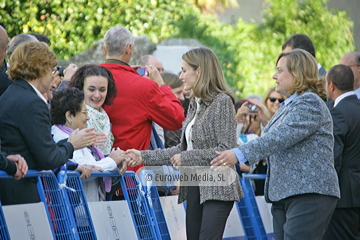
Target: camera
253,108
60,69
142,71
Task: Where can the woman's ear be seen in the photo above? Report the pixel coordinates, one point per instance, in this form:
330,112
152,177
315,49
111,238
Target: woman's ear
198,70
69,117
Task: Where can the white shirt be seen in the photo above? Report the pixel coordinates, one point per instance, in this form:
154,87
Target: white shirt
357,92
38,93
84,156
342,96
188,130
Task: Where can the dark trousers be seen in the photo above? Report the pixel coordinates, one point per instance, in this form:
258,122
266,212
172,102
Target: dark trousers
205,221
343,225
304,216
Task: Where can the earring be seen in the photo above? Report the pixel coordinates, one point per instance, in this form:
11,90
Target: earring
70,122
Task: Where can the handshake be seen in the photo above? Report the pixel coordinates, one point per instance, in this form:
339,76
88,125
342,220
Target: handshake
122,158
133,158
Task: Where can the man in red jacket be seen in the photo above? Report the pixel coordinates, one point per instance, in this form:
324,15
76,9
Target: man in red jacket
139,100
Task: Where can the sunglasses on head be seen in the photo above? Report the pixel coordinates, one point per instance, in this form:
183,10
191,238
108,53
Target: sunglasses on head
274,99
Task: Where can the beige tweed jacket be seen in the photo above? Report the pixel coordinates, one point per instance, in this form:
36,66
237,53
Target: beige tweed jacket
214,130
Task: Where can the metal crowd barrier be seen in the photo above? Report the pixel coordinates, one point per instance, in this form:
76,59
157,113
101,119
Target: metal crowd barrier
76,204
55,208
145,224
4,233
153,201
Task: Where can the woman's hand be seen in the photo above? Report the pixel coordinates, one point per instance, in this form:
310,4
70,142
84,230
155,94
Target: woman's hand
100,139
133,157
21,165
225,158
83,138
117,155
122,167
86,169
176,160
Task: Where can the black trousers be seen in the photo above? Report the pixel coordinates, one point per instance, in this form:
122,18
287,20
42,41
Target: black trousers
304,216
343,224
205,221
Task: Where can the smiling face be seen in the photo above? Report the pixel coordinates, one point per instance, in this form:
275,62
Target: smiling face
79,120
273,106
95,91
188,76
284,79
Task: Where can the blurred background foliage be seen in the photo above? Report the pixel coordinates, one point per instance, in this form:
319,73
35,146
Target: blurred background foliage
246,50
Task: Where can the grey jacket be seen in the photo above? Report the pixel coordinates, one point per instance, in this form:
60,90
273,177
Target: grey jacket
298,142
214,130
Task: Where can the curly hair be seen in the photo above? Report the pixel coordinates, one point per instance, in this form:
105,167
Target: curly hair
67,99
88,70
303,66
31,60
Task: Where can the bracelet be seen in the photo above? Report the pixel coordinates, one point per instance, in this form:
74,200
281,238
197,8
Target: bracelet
161,84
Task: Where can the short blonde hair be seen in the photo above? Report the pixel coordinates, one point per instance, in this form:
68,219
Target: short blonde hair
31,60
303,66
211,80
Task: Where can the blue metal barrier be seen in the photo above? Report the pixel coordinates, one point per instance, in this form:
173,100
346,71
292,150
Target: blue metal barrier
76,204
155,205
249,212
145,225
4,233
50,194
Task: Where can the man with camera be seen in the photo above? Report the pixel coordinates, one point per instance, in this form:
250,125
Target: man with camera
139,100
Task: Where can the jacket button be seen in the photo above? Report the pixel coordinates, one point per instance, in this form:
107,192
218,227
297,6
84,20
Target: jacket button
192,140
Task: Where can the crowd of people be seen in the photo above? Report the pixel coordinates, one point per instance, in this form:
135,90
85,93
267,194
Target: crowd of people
304,133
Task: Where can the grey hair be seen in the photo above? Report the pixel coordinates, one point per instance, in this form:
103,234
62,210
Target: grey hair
15,41
116,39
254,96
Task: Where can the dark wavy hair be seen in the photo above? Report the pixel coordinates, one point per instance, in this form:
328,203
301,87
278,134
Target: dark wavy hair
88,70
67,99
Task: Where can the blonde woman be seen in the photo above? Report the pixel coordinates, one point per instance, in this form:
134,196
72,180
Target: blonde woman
210,126
301,181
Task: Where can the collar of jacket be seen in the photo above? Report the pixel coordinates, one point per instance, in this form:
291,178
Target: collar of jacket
201,101
24,84
116,61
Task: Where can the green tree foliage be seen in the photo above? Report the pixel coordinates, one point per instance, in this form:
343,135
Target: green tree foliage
247,51
74,25
330,31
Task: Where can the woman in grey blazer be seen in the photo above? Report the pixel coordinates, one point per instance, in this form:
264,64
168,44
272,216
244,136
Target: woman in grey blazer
298,142
210,126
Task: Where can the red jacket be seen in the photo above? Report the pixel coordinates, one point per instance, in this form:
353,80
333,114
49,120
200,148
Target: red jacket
138,103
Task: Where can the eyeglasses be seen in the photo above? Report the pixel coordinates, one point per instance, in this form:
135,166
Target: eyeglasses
354,65
274,99
53,70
